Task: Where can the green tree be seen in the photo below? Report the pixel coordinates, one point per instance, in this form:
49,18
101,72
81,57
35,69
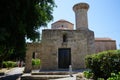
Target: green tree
20,19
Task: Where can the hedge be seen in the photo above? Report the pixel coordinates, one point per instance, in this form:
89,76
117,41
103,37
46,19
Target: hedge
104,63
9,64
114,76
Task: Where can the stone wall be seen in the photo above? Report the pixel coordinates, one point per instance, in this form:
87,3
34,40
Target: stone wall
31,48
48,53
103,44
80,42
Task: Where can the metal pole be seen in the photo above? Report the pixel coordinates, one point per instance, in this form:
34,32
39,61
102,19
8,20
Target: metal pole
70,71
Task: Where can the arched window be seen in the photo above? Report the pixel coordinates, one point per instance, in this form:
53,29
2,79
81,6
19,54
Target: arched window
64,37
33,55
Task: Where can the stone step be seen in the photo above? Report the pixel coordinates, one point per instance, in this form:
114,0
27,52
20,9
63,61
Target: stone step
50,73
42,77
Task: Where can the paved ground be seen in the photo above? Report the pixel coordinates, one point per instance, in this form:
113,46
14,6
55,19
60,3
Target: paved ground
13,74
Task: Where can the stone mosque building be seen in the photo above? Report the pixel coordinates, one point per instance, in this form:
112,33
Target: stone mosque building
62,46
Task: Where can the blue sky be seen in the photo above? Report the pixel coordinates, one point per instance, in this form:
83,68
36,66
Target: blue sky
103,16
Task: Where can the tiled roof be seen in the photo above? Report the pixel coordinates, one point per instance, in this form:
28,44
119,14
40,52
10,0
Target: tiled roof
104,38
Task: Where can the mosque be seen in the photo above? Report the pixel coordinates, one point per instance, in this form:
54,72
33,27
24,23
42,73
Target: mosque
62,45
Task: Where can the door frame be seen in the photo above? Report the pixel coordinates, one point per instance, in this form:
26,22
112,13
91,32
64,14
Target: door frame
69,56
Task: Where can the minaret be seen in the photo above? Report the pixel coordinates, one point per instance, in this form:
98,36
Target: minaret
80,10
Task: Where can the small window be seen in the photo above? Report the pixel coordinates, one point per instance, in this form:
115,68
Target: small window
65,38
33,55
62,26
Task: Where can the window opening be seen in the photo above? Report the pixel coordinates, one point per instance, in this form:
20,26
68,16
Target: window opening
33,55
64,38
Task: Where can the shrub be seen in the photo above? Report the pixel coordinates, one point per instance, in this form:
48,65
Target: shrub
114,76
100,79
9,64
88,74
35,62
4,63
104,63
